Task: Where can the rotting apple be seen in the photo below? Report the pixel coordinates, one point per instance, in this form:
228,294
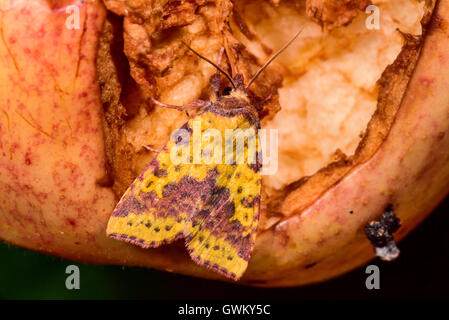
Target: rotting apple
54,190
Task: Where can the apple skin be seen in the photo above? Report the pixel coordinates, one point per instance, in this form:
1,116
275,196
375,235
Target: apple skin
52,159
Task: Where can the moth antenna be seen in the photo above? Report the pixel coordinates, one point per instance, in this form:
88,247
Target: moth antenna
271,59
212,63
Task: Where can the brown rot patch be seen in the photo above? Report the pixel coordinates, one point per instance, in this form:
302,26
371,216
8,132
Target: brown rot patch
71,222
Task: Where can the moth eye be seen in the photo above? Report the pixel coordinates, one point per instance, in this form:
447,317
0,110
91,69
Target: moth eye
226,91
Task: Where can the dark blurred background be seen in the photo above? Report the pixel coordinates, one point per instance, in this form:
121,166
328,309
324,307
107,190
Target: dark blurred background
421,272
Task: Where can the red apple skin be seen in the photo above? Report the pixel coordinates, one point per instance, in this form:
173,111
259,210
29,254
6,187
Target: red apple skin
52,157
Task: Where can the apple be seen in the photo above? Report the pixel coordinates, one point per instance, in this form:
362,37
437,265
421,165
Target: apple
54,192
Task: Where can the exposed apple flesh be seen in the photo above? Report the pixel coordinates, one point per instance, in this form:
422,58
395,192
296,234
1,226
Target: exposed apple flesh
52,160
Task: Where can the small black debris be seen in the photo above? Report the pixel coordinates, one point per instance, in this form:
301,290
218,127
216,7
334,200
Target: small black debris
380,234
390,221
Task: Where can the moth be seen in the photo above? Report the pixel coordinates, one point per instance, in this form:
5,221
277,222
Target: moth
184,194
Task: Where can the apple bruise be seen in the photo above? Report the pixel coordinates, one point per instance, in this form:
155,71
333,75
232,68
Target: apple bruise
133,66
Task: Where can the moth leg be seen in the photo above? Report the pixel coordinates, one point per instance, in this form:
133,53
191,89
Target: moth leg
215,80
259,105
165,105
194,105
151,149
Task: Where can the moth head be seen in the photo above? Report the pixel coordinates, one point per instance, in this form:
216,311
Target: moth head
239,89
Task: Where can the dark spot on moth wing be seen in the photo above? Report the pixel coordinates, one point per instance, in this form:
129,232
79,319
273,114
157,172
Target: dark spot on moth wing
159,173
203,214
169,190
168,228
247,203
148,224
255,166
157,229
217,194
239,189
216,247
229,210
